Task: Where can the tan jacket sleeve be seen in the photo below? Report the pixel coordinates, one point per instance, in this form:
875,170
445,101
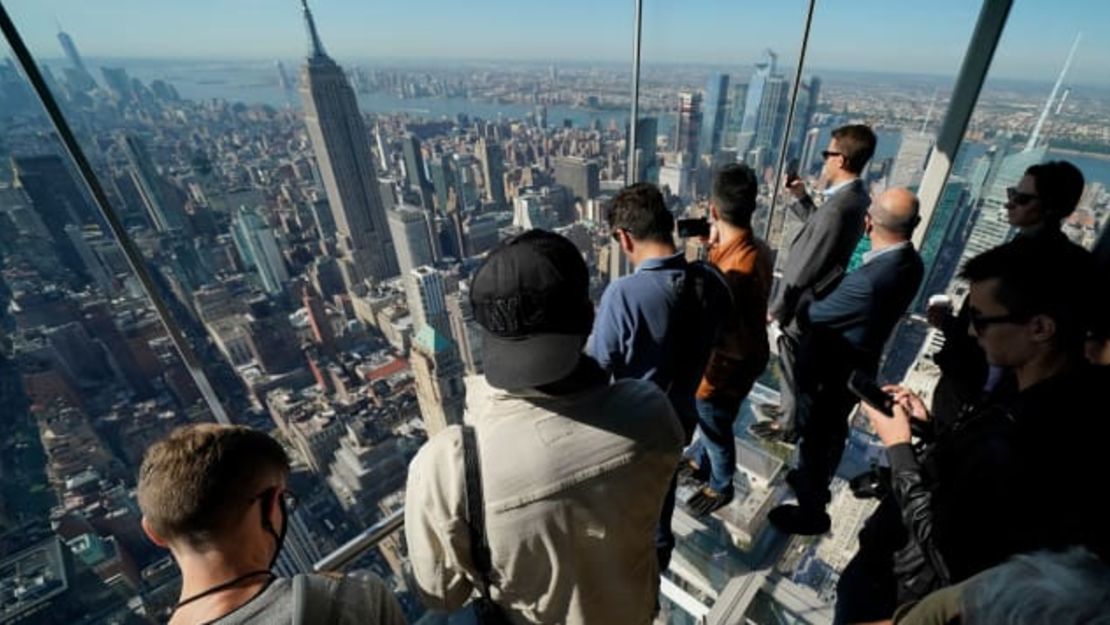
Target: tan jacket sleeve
435,523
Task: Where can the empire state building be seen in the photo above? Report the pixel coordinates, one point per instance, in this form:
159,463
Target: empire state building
342,146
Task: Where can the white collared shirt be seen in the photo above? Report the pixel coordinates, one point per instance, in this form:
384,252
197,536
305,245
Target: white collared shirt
873,254
830,191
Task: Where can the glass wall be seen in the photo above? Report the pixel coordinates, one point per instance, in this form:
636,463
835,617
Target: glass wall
89,379
312,191
1053,104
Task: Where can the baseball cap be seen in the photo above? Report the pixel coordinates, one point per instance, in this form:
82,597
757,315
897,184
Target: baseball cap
531,298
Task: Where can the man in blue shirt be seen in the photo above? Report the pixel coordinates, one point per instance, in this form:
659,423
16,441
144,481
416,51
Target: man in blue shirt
659,322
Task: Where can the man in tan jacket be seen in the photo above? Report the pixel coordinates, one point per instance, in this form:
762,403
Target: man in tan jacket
573,470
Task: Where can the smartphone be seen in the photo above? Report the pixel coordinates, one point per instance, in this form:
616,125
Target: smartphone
792,171
697,227
864,387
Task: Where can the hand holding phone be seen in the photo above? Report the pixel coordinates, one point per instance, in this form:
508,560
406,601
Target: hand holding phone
864,387
697,227
792,172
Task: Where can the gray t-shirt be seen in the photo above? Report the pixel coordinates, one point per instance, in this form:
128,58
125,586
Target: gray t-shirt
360,599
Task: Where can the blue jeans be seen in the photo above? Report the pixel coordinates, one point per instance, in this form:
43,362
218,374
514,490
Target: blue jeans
715,449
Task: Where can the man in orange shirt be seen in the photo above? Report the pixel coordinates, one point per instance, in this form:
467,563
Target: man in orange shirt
741,353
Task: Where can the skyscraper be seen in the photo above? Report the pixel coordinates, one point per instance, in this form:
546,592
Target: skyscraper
443,179
810,150
688,128
581,175
118,82
493,170
647,130
437,373
427,300
367,467
465,330
764,69
716,113
79,72
164,213
909,163
409,228
730,136
806,107
414,168
259,250
771,121
342,146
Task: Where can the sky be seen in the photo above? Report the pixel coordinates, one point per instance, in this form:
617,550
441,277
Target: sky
899,36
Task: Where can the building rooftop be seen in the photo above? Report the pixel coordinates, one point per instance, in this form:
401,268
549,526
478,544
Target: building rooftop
30,579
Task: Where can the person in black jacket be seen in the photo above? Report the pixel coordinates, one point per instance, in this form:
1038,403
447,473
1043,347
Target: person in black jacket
1045,196
1017,472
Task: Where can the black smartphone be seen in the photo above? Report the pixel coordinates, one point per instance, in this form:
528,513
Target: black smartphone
864,387
697,227
792,171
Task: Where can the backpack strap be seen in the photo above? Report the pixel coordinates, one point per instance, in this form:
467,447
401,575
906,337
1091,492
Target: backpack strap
475,511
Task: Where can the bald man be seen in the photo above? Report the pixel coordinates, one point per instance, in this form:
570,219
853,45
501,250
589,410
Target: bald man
844,331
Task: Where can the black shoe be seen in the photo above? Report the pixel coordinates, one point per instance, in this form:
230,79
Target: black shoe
791,519
707,500
689,471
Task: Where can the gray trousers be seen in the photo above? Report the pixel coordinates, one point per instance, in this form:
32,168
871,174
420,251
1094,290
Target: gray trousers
788,348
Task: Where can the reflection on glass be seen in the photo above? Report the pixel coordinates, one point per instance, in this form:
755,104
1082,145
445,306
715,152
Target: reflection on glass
312,221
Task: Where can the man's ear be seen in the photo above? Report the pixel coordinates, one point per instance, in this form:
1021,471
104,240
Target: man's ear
713,212
148,529
627,244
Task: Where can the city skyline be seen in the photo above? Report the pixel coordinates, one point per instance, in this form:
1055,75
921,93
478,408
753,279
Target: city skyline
260,204
255,29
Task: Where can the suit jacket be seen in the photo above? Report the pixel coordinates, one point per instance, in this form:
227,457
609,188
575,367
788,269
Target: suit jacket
858,316
822,247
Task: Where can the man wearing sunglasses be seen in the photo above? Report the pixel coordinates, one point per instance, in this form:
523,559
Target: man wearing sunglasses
1046,195
1017,472
216,497
819,253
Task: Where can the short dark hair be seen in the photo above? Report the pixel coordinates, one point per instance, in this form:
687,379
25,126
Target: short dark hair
1041,277
640,210
196,483
857,143
734,192
1059,186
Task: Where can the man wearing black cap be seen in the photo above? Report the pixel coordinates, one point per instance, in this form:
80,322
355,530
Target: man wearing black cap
573,470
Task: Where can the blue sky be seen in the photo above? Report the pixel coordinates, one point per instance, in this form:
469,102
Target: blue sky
869,35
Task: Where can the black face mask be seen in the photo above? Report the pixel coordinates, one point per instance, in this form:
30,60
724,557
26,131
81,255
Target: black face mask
279,537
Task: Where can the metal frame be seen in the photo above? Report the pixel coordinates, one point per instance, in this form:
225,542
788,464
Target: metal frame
790,118
92,184
368,539
965,95
631,164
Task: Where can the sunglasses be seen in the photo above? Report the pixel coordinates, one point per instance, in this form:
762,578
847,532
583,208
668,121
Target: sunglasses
825,154
1017,197
981,323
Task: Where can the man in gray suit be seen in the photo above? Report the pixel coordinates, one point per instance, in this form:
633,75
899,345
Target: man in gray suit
819,254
